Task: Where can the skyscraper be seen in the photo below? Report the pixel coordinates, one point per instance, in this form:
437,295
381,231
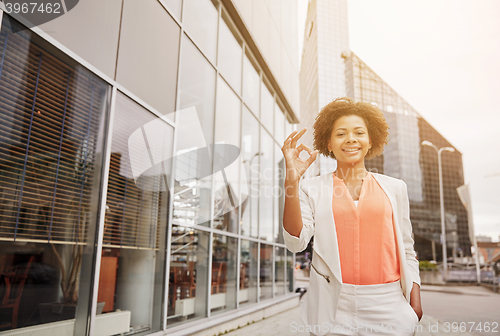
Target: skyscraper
329,70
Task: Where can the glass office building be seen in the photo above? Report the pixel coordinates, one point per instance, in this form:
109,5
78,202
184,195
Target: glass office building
330,70
109,221
405,158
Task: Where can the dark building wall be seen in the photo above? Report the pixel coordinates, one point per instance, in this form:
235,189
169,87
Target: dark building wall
427,214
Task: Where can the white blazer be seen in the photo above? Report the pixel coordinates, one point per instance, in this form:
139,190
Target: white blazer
316,206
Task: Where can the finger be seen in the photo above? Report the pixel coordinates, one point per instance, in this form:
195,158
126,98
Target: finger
286,144
312,158
301,147
291,135
297,137
288,140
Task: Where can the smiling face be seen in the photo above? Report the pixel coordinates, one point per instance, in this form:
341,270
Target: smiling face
349,140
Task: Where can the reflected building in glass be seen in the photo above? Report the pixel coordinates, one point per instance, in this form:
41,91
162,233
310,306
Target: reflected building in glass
116,216
329,70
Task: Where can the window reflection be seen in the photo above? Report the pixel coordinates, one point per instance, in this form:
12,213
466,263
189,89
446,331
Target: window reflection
51,113
250,153
251,86
136,216
230,56
187,294
192,197
278,193
226,182
267,109
223,280
197,87
266,272
248,272
279,125
200,21
290,267
289,128
266,201
279,271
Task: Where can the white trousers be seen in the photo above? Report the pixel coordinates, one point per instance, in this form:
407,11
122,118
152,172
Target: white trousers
373,310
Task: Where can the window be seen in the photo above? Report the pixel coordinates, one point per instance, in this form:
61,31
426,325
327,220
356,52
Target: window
230,57
51,136
248,272
136,215
279,124
174,7
200,22
278,193
187,296
266,202
197,89
251,86
279,271
223,281
290,267
250,154
148,54
226,181
266,272
267,108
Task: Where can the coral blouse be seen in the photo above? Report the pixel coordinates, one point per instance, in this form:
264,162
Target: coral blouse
365,234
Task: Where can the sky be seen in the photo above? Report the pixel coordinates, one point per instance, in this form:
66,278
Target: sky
443,58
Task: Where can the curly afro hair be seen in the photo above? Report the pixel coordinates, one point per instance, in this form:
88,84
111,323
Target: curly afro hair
378,129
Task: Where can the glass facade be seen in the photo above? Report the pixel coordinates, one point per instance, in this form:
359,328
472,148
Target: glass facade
53,114
250,153
405,158
135,224
97,216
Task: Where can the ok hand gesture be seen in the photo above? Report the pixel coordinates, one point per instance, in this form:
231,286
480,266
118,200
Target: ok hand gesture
295,166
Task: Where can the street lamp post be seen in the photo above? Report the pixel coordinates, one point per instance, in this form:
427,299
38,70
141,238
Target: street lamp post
443,229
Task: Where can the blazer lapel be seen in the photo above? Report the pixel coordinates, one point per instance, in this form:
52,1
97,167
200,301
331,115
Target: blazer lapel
325,236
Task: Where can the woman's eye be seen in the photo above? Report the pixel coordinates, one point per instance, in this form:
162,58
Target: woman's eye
360,133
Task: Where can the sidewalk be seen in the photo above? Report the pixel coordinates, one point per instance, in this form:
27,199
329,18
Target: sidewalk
282,324
288,323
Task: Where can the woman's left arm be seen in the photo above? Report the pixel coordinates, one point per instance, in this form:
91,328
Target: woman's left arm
411,259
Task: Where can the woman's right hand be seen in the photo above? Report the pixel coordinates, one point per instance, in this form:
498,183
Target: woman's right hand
295,166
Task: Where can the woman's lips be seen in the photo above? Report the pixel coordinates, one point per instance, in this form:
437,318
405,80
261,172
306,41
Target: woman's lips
351,151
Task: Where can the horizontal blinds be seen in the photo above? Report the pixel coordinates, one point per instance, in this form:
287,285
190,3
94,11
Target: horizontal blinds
50,114
133,215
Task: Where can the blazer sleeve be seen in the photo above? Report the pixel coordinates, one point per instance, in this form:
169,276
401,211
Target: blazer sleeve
298,244
407,239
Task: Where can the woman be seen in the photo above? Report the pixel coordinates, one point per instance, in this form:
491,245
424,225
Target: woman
364,275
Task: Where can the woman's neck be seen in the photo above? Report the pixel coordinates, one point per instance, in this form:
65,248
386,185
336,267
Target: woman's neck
350,172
